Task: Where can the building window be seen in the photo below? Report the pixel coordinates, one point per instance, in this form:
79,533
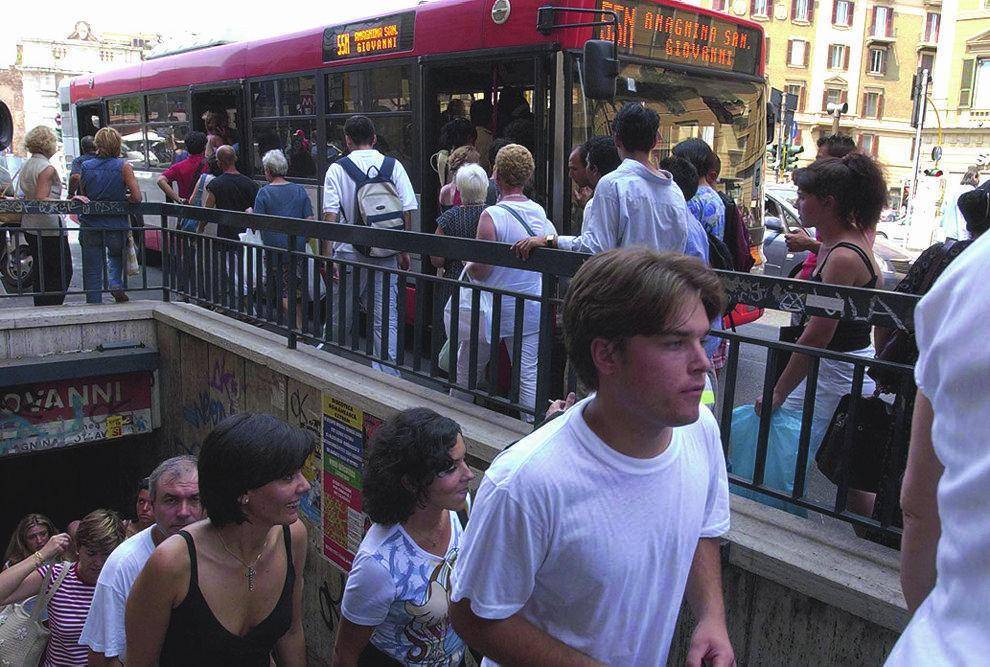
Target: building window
842,13
832,96
797,53
883,21
868,143
796,89
878,61
838,56
759,8
801,10
872,104
981,84
719,5
932,22
926,61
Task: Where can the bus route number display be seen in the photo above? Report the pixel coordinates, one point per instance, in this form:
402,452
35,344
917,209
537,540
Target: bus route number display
360,39
684,36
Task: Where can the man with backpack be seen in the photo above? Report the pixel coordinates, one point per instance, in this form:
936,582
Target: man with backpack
370,189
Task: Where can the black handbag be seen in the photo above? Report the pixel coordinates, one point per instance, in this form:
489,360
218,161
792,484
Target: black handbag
860,465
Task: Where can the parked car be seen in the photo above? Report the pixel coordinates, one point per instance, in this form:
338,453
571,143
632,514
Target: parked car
780,217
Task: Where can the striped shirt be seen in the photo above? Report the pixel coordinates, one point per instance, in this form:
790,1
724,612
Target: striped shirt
66,616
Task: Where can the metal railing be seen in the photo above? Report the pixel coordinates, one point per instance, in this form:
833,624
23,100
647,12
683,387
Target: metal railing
247,280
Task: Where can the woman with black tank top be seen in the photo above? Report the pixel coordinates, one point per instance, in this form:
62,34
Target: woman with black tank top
842,199
228,590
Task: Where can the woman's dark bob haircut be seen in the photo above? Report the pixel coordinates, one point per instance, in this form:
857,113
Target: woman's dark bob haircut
405,455
855,181
245,452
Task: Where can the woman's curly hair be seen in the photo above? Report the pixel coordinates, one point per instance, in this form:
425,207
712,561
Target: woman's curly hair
405,455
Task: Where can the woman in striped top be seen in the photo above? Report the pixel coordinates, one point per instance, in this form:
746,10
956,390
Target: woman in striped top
99,534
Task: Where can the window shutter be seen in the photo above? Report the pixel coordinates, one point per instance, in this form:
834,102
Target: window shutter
890,22
966,85
883,60
843,96
879,106
790,49
835,10
862,107
811,10
793,9
801,100
825,100
845,64
873,21
851,12
876,145
766,53
807,51
752,7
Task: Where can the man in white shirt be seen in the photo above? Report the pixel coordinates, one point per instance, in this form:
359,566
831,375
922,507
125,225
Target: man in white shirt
174,487
586,535
339,206
945,552
633,205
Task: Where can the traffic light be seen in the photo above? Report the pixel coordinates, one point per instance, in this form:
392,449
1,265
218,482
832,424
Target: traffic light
791,156
773,155
935,171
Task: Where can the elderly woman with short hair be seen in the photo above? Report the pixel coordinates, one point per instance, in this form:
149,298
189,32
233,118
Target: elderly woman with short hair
515,217
103,238
51,270
288,200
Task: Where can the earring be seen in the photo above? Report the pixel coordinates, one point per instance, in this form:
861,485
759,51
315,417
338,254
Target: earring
244,500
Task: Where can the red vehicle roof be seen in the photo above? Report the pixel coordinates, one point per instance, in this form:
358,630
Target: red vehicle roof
442,26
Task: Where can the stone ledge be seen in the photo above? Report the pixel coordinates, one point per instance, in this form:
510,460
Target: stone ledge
34,317
485,433
844,571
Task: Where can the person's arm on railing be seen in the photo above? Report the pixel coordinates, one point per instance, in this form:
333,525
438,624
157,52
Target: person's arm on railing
438,262
486,232
130,180
404,261
170,195
919,503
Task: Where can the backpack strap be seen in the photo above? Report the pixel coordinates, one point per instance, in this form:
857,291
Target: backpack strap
388,165
515,214
353,171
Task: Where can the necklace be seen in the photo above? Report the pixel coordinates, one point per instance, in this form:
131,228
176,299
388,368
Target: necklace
252,568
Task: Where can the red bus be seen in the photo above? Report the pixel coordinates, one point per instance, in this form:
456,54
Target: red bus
409,71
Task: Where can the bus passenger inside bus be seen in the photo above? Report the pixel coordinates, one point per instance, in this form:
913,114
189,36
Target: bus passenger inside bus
217,113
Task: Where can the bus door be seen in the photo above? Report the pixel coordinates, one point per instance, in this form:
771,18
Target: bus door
510,96
90,117
223,106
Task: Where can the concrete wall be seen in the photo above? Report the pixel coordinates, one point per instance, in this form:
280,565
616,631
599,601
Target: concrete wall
791,597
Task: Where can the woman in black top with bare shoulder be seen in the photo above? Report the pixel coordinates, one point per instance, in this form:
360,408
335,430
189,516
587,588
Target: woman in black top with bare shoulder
228,590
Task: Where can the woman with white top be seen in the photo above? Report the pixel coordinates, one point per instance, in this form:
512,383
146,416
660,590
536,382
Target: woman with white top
514,217
394,609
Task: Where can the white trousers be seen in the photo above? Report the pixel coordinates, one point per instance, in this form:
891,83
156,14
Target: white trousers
527,368
370,303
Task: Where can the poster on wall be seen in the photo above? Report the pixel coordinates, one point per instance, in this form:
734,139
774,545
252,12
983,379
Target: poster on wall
60,413
306,412
346,432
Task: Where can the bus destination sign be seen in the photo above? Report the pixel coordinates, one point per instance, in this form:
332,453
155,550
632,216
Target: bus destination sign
684,36
359,39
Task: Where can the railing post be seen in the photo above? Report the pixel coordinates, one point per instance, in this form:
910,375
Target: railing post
166,260
290,289
544,356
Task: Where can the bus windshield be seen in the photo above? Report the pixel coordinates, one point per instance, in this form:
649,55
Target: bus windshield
728,113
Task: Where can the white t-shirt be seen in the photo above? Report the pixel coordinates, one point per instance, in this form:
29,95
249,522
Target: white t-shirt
952,626
591,546
338,188
404,591
104,628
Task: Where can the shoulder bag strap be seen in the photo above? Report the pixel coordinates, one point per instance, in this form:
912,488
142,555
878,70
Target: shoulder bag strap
41,602
529,230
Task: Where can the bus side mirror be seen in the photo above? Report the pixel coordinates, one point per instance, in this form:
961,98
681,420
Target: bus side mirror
6,127
600,69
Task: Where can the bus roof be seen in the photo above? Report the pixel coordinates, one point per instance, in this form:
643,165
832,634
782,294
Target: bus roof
441,26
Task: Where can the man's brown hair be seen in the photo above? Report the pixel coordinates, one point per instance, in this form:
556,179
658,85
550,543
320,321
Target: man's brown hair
632,292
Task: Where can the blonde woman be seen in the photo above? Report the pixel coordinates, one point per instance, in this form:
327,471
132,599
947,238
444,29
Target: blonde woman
51,271
107,177
99,533
32,533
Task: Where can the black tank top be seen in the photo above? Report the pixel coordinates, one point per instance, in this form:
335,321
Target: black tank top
850,335
196,637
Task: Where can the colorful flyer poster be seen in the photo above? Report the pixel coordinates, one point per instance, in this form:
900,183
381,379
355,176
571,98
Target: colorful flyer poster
345,433
306,412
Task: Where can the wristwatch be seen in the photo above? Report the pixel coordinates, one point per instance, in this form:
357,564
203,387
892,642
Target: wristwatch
551,240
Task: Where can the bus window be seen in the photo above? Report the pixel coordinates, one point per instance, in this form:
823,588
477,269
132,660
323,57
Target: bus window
168,125
283,117
125,116
90,119
395,137
223,106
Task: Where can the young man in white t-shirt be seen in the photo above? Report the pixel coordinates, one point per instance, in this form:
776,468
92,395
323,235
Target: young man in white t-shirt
587,534
338,206
174,487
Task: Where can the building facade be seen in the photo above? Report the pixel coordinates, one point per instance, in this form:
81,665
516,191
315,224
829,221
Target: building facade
861,52
44,64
